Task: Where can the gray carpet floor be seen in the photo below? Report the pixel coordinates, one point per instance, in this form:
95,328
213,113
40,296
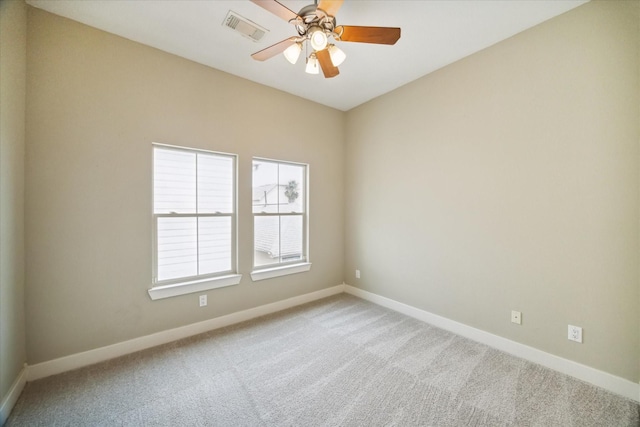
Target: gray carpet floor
340,361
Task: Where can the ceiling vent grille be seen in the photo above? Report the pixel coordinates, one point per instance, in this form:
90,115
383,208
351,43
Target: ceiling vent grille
244,26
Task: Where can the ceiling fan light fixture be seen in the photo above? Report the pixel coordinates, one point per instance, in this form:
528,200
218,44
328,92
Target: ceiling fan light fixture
312,64
317,38
316,25
337,55
292,53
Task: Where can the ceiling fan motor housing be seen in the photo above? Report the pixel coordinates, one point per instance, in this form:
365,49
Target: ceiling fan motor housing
311,17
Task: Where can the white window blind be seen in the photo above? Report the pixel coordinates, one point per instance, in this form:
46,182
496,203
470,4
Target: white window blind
194,213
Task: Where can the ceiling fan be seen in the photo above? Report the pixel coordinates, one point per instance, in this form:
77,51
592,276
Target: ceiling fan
316,24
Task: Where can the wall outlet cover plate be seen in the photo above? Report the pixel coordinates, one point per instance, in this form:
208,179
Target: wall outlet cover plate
575,333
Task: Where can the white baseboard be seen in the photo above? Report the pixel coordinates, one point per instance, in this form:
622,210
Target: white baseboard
11,398
585,373
78,360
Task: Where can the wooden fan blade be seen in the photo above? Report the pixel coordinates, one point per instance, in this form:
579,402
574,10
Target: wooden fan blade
330,6
273,50
378,35
277,9
327,66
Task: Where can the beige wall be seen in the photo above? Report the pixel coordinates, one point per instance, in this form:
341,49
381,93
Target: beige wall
13,47
95,104
510,180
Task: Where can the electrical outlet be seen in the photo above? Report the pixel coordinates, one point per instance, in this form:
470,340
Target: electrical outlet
575,333
203,300
516,317
357,274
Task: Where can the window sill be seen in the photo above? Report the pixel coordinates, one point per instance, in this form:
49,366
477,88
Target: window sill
167,291
269,273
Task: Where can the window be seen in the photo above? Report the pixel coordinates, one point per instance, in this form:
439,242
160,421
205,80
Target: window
279,218
194,220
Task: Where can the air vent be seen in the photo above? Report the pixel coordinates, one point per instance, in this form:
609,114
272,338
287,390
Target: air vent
243,26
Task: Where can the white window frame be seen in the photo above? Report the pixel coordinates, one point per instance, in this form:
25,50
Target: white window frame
284,268
203,282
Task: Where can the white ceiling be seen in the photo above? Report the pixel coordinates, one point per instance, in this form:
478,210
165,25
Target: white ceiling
434,34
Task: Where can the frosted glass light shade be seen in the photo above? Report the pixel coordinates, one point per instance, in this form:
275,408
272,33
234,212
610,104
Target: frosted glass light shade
337,55
318,38
312,65
292,53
